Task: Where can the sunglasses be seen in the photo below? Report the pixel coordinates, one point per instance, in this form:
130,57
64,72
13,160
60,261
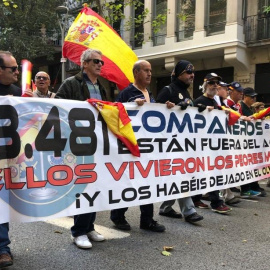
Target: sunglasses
213,82
42,78
96,61
13,69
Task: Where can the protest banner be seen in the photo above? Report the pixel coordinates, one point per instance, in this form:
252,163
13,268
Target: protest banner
58,158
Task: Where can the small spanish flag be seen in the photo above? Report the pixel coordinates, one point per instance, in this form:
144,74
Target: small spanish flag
261,114
117,120
26,74
233,115
89,30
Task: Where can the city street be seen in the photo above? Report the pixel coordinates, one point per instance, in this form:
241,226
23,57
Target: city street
239,240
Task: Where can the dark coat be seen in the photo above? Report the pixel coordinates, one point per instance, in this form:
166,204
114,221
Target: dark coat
75,88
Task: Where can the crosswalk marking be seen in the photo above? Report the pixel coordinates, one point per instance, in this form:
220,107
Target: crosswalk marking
108,233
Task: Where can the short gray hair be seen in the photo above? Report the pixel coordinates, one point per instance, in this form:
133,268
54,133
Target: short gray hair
87,54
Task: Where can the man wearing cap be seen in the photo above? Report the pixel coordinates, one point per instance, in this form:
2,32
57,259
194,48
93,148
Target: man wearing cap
252,189
176,92
236,94
222,94
207,100
221,99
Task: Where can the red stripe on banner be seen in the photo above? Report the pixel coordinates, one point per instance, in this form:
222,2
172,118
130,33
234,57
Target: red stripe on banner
109,71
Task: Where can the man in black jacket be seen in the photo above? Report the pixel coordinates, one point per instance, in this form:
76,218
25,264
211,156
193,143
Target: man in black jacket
83,86
176,92
8,75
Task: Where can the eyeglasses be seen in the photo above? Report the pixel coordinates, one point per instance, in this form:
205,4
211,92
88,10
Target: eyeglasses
13,69
189,71
213,82
96,61
42,78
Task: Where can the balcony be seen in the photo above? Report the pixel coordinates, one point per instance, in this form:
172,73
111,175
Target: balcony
257,29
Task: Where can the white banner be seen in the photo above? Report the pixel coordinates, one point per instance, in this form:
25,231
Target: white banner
57,157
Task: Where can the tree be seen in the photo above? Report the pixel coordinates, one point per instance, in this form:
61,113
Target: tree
27,27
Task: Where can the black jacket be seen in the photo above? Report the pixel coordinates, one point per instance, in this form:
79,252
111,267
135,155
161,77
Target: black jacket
75,88
176,92
10,90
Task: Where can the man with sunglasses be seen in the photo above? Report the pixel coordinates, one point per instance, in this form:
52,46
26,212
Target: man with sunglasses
83,86
8,75
177,93
207,100
42,82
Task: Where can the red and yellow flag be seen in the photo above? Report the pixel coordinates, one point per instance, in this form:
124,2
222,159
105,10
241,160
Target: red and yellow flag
261,114
233,115
117,120
89,30
26,74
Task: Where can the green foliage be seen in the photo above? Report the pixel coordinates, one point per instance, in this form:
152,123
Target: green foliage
266,9
21,24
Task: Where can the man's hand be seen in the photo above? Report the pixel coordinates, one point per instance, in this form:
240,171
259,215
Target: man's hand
140,101
169,104
210,108
28,93
246,118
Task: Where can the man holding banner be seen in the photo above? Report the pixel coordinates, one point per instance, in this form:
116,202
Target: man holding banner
8,75
83,86
138,92
177,92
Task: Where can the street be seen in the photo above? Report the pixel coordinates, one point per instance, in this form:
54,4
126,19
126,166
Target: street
238,240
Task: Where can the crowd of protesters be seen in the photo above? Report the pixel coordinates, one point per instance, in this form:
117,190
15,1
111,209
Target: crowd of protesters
216,94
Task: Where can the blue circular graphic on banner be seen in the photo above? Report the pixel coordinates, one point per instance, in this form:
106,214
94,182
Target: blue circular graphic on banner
50,199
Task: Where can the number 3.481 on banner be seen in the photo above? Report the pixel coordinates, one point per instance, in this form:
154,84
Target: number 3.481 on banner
44,141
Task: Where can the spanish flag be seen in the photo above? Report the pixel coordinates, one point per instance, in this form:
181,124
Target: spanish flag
26,74
117,120
89,30
261,114
233,115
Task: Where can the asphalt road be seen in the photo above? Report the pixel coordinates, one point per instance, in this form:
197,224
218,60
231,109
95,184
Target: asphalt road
239,240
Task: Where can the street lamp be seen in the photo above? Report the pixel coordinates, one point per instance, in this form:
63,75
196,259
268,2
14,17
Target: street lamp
62,14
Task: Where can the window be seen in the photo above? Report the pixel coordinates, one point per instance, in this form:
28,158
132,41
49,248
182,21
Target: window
185,19
137,31
263,27
216,17
159,22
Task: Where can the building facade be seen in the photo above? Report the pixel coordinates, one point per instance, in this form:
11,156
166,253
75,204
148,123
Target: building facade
229,37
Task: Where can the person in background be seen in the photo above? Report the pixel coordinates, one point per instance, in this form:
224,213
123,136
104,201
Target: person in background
249,97
42,82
